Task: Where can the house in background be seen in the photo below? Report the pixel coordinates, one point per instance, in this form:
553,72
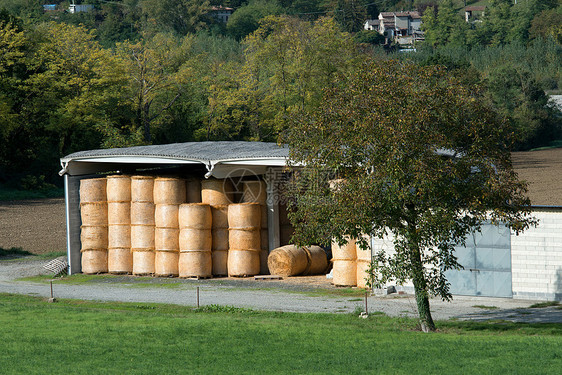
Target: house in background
474,13
221,14
76,8
404,26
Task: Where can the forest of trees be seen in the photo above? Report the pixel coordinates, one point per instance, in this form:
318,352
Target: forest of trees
134,72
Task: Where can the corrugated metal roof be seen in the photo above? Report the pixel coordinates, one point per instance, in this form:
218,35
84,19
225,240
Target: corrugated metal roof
200,151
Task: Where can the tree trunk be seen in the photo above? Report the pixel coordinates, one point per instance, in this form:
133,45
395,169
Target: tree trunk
418,277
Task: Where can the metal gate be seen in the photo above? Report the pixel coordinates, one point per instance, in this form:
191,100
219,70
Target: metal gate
486,258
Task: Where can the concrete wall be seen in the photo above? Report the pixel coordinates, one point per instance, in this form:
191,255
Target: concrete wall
536,258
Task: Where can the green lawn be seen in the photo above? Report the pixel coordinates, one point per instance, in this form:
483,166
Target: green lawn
78,337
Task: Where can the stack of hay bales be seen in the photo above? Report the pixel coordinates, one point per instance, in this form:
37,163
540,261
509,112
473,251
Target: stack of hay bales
345,264
93,236
220,240
363,263
218,194
244,239
119,257
195,240
256,192
169,193
142,224
290,260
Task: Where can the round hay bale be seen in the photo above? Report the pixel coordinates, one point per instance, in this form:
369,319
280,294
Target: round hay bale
220,239
94,261
220,216
254,192
193,190
220,262
195,264
93,213
243,263
195,216
244,215
264,268
167,239
118,188
93,190
166,215
364,254
318,260
244,239
362,274
288,260
344,272
93,237
119,260
346,251
118,213
142,213
142,189
169,190
143,262
166,263
195,239
119,236
217,192
142,237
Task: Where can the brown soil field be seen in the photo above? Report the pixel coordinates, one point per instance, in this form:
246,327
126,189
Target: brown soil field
37,226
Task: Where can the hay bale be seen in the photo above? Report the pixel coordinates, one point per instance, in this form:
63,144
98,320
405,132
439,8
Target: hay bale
166,215
166,263
93,213
119,260
243,263
193,190
254,192
93,190
169,190
94,261
142,213
195,216
217,192
118,213
244,239
195,239
143,262
244,215
362,274
345,251
119,236
219,262
195,264
291,260
94,237
142,189
166,239
142,237
344,272
118,188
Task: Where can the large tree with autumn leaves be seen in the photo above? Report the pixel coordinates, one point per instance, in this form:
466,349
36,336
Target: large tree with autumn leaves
419,157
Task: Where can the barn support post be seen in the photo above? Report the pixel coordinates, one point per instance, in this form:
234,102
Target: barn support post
73,222
272,208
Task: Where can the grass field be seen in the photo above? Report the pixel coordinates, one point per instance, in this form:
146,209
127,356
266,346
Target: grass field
79,337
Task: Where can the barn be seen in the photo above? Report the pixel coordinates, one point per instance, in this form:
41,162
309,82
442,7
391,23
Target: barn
234,161
497,263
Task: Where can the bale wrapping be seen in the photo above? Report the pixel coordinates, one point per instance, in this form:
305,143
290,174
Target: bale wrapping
195,216
118,213
167,239
169,190
362,274
94,237
217,192
142,237
119,236
244,215
244,239
93,213
142,213
118,188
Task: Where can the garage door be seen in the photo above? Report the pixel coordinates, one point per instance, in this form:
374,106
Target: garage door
487,264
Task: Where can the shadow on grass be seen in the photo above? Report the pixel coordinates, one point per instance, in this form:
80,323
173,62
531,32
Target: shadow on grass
499,326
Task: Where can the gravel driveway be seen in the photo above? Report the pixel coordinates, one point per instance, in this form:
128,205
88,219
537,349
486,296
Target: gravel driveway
294,294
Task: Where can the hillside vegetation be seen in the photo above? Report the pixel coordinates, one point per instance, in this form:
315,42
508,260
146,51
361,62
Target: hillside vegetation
137,72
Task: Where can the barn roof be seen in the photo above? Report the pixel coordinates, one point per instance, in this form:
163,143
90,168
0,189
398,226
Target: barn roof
542,170
209,154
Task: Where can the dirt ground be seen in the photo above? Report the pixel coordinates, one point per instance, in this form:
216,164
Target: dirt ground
37,226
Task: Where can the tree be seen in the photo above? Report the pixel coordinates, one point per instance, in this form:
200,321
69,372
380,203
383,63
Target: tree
245,20
420,157
158,74
446,28
178,16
